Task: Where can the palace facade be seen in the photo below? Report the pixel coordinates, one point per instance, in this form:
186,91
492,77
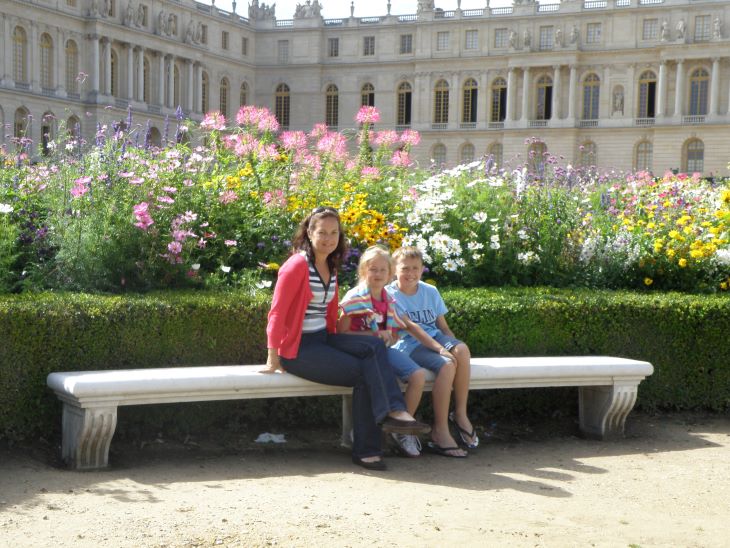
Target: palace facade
626,84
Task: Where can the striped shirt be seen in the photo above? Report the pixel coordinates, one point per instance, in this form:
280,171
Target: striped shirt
315,318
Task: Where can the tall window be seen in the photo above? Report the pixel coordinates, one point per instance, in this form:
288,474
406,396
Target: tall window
695,156
367,95
441,102
72,67
73,126
593,33
495,151
467,153
46,61
471,39
333,47
702,28
112,8
644,156
404,104
223,98
647,95
244,46
332,106
546,38
115,74
203,34
501,38
20,55
650,29
406,43
224,39
698,92
283,52
281,107
243,97
499,100
20,124
536,156
544,98
442,41
205,92
469,108
587,154
368,45
146,84
47,131
591,91
438,155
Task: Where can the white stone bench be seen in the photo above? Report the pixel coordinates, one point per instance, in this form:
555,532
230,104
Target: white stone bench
607,393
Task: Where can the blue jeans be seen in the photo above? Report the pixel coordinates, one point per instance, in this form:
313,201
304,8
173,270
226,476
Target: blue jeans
360,362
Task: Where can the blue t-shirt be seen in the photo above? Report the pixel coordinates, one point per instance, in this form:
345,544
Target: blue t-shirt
422,308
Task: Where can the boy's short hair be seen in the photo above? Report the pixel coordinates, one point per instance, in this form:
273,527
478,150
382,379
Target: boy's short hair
407,252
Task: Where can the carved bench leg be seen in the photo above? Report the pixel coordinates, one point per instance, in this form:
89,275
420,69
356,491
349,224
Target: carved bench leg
87,434
603,410
346,439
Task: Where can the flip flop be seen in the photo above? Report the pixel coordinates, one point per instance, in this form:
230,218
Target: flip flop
465,435
444,451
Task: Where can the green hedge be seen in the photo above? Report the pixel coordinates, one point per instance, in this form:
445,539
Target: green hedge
684,336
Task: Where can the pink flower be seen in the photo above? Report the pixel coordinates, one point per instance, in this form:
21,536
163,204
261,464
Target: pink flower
227,197
136,181
231,243
170,189
410,137
144,221
401,159
214,120
367,115
370,172
318,131
385,138
79,190
293,140
259,117
333,144
165,200
175,248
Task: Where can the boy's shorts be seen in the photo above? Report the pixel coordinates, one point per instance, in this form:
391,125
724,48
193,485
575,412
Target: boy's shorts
402,364
433,361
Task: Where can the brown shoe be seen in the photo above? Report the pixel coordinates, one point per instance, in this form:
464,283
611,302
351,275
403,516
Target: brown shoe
399,426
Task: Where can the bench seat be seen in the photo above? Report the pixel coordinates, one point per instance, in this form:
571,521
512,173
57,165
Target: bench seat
608,388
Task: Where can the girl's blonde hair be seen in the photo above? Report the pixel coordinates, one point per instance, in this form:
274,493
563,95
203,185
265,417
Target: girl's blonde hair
371,253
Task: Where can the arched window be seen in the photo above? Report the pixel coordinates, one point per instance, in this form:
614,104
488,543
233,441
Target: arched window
115,74
495,151
223,98
694,156
438,155
467,153
499,100
441,102
72,67
48,131
544,98
20,125
536,156
647,95
205,93
332,106
591,91
404,104
73,127
176,87
587,154
698,83
20,55
367,95
644,156
469,108
155,137
146,83
46,61
243,97
281,106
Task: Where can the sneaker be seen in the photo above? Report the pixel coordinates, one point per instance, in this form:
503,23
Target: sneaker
407,445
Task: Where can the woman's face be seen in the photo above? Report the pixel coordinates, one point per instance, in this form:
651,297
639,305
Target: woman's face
324,233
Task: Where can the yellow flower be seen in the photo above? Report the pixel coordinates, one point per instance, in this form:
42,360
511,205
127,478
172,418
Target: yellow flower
674,234
723,286
671,253
658,246
430,281
696,253
682,262
648,281
651,225
272,266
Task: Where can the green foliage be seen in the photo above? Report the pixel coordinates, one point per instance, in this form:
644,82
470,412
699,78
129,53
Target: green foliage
683,336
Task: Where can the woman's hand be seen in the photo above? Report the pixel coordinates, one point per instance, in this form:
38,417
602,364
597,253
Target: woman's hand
273,362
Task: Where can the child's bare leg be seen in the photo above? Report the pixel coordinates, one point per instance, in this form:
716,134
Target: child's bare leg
441,395
414,390
461,387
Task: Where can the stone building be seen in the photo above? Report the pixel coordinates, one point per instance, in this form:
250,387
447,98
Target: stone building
628,84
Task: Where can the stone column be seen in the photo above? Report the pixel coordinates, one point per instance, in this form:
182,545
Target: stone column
525,93
5,40
557,91
171,82
130,72
161,80
95,63
59,59
455,99
510,107
191,87
199,87
571,92
483,99
140,75
107,67
629,92
662,91
714,86
679,92
34,65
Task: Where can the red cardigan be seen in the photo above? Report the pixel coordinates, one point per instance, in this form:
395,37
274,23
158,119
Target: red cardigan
291,297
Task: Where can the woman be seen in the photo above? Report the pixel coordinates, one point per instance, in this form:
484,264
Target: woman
302,340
